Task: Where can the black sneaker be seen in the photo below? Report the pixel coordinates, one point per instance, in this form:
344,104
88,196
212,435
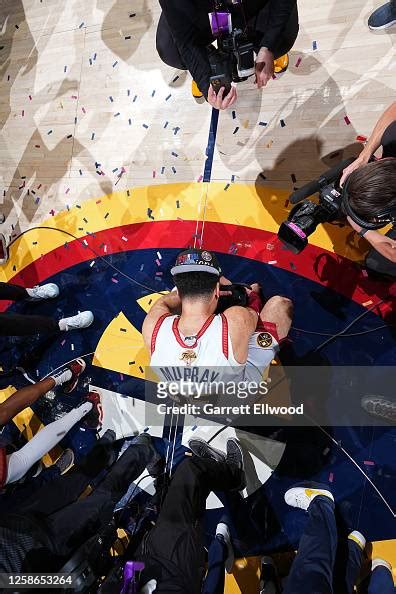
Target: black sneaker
235,458
156,466
202,449
383,18
269,580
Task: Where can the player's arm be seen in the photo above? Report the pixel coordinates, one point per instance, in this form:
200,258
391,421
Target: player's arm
242,322
384,245
167,304
373,143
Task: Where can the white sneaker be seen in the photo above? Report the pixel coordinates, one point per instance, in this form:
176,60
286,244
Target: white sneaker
380,563
48,291
82,320
358,538
223,531
302,496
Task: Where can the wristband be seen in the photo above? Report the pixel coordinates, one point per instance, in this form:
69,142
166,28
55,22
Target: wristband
255,302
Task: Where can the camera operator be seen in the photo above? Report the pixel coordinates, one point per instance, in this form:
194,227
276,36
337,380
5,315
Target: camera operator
371,190
184,34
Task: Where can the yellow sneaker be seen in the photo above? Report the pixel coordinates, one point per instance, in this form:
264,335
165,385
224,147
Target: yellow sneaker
196,93
281,64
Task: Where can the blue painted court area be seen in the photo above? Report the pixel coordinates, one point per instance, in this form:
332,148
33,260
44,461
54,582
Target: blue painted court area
263,522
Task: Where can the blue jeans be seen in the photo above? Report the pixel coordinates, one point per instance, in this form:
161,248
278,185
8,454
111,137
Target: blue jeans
381,582
214,581
312,569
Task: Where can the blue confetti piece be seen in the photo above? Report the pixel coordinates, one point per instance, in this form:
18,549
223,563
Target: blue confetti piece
174,154
90,62
226,187
145,126
128,37
81,25
162,170
75,120
282,123
176,78
262,123
128,92
93,135
314,45
114,170
80,171
232,178
111,98
168,97
175,130
177,204
149,213
173,169
153,93
94,56
117,114
134,99
233,115
166,124
236,130
65,68
49,132
115,63
130,121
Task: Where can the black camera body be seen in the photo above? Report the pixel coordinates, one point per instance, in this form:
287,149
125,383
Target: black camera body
233,60
306,215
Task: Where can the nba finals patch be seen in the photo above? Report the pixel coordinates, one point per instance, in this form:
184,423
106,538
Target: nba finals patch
188,357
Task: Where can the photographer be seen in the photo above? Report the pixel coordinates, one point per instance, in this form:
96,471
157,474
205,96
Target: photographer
184,34
371,190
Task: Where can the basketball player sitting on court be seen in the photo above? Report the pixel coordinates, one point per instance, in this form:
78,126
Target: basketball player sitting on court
243,338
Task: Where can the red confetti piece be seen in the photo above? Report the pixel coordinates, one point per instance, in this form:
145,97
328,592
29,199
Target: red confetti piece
331,477
369,463
361,138
153,173
30,97
298,62
347,120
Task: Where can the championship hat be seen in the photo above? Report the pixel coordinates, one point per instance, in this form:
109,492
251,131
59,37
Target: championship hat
193,260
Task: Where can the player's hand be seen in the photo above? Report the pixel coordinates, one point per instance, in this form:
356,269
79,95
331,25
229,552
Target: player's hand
217,100
359,162
264,67
225,281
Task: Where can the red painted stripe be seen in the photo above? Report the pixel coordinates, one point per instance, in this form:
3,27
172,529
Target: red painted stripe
319,265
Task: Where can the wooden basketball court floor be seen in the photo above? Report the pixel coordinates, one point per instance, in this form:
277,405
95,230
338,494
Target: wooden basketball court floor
102,140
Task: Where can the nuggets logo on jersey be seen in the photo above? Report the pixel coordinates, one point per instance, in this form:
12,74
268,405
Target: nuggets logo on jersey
188,357
264,340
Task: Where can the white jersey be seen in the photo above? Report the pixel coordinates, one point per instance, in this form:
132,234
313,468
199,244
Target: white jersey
210,351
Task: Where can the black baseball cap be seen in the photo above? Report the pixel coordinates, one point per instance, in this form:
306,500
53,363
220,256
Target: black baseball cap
193,260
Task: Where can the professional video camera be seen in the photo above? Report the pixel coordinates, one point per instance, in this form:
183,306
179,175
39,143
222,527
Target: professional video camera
233,60
305,217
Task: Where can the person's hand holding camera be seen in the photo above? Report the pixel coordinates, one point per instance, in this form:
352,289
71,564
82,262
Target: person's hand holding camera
264,67
218,101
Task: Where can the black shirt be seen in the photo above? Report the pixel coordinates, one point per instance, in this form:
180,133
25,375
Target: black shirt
389,141
189,23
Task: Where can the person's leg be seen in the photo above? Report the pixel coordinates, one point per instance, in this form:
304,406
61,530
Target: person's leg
64,490
214,580
381,581
356,544
287,37
312,569
21,461
74,524
12,292
166,47
20,325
